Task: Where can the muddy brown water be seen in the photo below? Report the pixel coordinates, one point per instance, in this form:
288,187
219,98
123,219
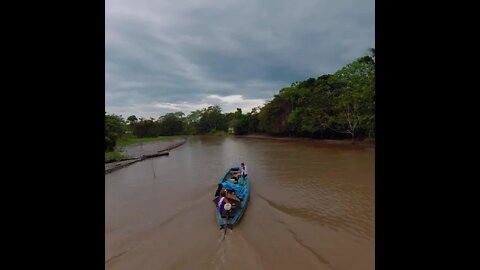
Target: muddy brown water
311,207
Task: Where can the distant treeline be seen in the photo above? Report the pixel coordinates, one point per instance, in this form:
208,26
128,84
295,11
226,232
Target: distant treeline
332,106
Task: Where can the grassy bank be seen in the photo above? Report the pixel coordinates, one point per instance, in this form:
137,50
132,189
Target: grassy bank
114,156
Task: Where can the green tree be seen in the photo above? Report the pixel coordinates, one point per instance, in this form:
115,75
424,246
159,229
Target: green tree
273,116
192,122
171,124
252,118
146,128
114,128
316,106
212,120
132,119
355,101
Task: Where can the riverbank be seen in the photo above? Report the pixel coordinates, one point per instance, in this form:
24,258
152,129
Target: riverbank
369,142
129,140
140,151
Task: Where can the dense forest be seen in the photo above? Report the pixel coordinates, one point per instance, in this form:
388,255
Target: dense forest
332,106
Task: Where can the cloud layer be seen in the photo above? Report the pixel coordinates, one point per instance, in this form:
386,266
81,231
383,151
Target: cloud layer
166,56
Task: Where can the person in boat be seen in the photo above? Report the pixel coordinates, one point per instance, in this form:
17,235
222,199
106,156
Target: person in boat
243,170
219,188
221,203
224,206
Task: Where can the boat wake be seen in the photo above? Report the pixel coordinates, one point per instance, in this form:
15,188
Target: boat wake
234,252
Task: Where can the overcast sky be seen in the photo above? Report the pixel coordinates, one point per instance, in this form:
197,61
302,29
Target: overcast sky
168,56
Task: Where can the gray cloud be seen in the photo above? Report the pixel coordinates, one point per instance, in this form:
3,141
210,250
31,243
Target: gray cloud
164,56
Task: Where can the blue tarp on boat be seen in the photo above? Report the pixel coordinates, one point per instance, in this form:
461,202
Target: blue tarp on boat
240,190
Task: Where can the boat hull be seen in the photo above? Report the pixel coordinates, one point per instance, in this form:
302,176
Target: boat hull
239,212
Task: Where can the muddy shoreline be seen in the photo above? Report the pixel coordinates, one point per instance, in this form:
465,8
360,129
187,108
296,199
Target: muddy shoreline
142,151
322,141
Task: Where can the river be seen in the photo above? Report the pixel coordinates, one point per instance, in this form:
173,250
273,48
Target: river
311,207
